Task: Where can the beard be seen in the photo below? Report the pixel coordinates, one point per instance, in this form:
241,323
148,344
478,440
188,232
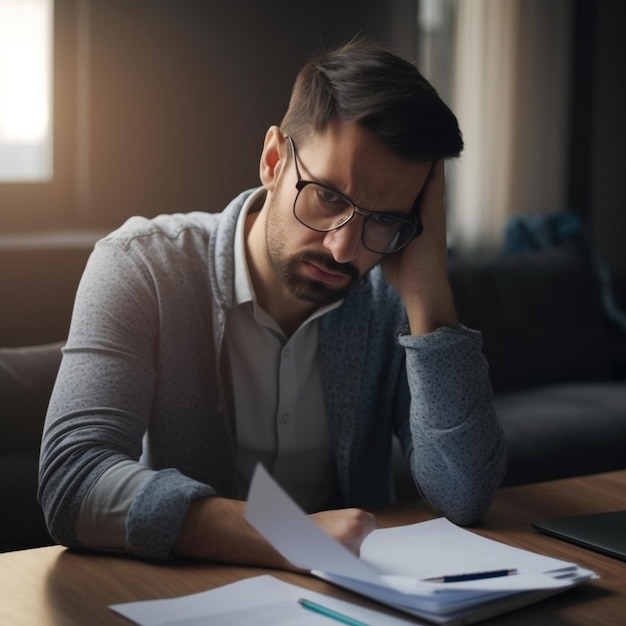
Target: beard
286,267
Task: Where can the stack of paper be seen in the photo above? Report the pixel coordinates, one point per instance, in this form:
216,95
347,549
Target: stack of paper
395,562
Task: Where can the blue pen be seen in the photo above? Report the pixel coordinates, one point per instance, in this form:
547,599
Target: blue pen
322,610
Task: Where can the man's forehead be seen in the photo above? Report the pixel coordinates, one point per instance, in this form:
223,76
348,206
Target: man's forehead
352,160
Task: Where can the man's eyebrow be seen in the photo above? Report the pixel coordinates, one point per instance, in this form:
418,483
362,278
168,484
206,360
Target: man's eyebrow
330,186
402,214
392,213
333,188
321,181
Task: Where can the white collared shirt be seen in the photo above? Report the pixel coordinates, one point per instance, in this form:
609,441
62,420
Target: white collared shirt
279,399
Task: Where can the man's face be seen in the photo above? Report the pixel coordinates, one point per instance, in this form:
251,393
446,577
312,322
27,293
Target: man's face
322,267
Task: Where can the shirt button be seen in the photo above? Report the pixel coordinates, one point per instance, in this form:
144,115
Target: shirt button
285,418
220,318
286,353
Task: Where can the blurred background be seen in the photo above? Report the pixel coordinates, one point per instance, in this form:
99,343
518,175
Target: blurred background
114,108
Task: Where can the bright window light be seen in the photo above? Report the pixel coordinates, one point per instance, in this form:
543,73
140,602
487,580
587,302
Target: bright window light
25,90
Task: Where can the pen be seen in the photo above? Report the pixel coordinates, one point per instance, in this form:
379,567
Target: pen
457,578
322,610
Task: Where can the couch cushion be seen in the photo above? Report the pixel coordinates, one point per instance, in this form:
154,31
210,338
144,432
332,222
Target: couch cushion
27,376
540,314
563,430
26,379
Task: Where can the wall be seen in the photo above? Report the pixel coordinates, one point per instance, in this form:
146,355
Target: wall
183,92
38,280
160,106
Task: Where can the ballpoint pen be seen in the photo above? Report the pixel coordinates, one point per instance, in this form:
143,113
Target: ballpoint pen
322,610
458,578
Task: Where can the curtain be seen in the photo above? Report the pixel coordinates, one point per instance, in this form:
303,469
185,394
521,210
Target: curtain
511,95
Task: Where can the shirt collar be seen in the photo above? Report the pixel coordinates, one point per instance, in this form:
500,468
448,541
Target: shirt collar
243,289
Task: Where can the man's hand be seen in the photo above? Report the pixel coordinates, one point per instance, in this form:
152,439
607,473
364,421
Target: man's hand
419,272
215,529
348,526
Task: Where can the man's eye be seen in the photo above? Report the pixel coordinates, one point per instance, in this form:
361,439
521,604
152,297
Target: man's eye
325,195
383,219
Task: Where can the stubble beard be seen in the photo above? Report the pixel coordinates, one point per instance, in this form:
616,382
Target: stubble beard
286,268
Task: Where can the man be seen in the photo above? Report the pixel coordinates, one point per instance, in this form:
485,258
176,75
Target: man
300,328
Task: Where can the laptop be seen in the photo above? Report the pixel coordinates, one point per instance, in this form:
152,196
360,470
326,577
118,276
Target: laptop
601,532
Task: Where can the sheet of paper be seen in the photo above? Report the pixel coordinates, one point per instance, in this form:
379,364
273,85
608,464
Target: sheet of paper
256,601
279,519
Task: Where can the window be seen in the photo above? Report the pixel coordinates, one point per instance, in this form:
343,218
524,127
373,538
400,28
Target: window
25,90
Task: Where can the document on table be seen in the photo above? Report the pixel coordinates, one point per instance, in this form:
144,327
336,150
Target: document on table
395,561
256,601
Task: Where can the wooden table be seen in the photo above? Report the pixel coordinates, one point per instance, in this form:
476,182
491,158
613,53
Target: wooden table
53,586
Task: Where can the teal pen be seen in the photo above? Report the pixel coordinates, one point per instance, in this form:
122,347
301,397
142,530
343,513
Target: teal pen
322,610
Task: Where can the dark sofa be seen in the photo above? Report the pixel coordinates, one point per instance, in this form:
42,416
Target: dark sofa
557,364
26,379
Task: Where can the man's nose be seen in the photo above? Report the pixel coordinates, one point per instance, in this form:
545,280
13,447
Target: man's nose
344,242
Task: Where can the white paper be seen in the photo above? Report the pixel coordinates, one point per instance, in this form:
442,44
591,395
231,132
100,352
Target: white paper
256,601
295,535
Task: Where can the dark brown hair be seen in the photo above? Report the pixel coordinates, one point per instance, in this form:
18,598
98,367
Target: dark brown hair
363,82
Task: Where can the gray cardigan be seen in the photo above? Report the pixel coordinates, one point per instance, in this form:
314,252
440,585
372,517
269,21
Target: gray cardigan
145,376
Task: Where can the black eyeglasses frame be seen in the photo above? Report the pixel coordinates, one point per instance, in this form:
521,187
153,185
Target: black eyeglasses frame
301,183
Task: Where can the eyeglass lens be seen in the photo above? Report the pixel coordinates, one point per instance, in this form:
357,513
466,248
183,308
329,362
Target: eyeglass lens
321,209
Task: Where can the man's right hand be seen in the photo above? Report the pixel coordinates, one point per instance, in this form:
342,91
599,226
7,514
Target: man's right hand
215,530
348,526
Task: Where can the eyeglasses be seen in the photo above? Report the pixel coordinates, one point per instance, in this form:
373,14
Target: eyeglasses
324,209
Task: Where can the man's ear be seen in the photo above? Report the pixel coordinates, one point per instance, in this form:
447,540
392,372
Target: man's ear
272,157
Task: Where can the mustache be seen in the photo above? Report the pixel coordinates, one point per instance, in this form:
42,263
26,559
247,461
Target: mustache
328,262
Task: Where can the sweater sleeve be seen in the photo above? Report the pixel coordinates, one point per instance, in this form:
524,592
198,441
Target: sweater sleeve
99,413
456,446
120,512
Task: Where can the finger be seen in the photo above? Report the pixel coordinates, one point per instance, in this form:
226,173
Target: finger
435,184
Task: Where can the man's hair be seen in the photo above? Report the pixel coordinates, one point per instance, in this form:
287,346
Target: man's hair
363,82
